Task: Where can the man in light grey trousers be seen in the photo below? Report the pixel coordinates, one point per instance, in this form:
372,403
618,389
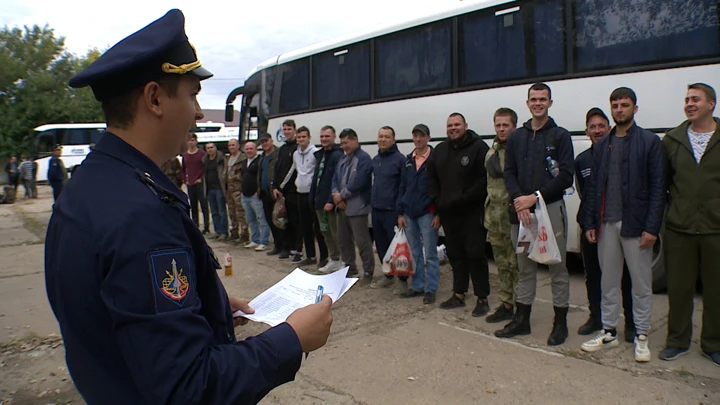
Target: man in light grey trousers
351,189
623,211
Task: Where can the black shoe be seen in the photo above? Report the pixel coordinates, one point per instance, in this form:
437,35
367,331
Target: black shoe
630,333
284,255
453,302
206,231
591,326
366,280
297,258
670,353
273,252
714,357
410,293
560,330
323,262
428,298
520,324
482,308
352,273
307,262
502,313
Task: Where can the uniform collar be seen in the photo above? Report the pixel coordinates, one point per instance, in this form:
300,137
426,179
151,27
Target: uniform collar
111,145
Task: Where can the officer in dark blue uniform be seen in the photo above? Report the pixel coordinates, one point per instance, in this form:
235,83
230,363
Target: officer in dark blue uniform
131,280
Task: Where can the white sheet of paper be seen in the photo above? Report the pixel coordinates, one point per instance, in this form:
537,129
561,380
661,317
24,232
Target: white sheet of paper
296,290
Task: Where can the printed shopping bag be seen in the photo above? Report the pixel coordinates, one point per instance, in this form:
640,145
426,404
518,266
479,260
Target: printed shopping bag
544,249
398,260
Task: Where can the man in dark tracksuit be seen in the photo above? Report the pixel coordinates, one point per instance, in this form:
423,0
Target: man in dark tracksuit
57,174
457,183
526,174
291,233
387,168
597,126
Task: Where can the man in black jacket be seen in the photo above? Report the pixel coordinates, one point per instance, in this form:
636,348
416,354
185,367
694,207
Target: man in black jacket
326,160
292,237
623,211
526,174
597,126
457,183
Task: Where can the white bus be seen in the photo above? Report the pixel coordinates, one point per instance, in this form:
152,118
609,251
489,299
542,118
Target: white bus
78,139
484,55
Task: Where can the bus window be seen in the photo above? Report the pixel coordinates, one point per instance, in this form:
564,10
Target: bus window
95,135
76,136
414,60
295,86
342,76
616,33
549,17
45,143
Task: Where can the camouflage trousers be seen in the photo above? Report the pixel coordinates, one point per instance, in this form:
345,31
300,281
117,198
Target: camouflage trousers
239,226
507,265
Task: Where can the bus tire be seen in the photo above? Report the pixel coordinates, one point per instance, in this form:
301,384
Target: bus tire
659,274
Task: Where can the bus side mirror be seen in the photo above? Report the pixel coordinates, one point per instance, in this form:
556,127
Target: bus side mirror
229,113
253,112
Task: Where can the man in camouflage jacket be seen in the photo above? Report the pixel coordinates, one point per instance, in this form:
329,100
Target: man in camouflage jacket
233,193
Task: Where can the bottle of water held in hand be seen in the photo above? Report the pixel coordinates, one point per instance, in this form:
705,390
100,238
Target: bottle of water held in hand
228,263
554,169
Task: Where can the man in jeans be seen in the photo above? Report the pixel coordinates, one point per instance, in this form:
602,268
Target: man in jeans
387,170
351,188
253,206
692,227
266,173
327,159
416,214
193,173
214,164
291,233
623,210
527,174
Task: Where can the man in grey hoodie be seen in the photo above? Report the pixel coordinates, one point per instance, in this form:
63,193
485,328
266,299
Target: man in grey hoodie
351,189
304,165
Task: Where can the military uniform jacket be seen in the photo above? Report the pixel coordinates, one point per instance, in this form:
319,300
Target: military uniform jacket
497,216
143,314
233,182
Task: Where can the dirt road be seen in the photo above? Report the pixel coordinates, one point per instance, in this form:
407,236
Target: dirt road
382,350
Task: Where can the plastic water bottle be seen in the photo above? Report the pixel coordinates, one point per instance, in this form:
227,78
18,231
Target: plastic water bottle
324,222
554,169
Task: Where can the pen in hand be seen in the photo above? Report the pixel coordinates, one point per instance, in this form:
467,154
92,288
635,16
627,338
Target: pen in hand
318,298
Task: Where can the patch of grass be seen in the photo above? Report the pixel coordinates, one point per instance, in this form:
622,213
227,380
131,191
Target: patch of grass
36,227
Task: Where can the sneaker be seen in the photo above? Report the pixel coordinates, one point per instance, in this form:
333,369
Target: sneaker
714,357
453,302
642,352
670,353
323,262
401,286
297,258
331,266
482,308
250,245
604,339
410,293
284,256
502,313
260,248
308,262
383,282
428,298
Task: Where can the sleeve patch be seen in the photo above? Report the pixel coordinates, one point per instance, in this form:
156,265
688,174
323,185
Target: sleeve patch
173,279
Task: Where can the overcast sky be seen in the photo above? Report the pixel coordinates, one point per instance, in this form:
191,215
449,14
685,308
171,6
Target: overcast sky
231,37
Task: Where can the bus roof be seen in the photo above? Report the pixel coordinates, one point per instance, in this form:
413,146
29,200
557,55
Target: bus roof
373,32
92,125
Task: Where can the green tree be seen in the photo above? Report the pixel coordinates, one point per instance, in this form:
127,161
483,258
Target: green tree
33,86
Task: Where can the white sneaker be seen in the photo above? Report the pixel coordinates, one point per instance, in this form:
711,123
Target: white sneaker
260,248
250,245
602,341
642,352
331,266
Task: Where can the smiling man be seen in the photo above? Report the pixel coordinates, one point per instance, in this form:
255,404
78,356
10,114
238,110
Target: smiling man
130,278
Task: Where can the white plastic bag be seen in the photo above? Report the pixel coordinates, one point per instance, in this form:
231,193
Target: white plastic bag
544,248
526,236
398,260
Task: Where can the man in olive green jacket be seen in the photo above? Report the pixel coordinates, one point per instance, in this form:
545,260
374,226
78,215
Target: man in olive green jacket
497,216
692,224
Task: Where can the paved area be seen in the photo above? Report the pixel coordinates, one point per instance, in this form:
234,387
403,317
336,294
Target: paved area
382,350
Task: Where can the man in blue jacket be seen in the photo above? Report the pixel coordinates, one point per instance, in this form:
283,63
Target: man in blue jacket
387,168
623,210
144,317
57,173
526,175
416,214
351,188
327,159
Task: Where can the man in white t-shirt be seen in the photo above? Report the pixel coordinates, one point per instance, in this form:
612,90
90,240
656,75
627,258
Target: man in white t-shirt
692,224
